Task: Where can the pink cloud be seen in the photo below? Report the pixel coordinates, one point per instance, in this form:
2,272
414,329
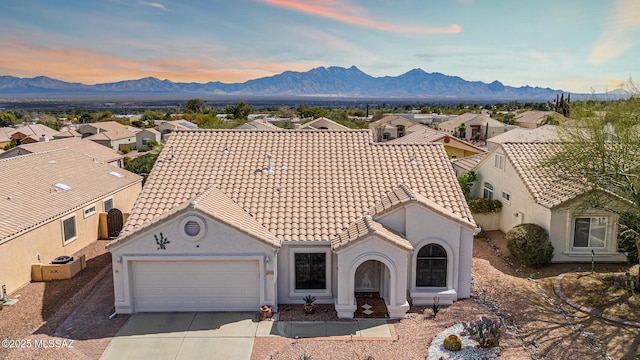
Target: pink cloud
91,67
352,15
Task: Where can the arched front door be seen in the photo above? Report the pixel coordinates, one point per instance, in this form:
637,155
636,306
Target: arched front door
114,222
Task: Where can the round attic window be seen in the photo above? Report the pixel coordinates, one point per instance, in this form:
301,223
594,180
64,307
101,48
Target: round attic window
193,228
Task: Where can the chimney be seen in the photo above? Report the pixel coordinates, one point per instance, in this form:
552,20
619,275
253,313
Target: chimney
44,138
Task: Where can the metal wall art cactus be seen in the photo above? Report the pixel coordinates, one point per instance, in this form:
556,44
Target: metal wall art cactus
162,242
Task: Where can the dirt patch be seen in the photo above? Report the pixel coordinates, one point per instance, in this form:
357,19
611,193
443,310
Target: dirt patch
600,292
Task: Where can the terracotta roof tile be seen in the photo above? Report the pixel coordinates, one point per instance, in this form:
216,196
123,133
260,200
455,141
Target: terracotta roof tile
333,176
29,199
86,147
364,227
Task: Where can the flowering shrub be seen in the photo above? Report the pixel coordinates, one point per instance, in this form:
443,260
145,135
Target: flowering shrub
486,332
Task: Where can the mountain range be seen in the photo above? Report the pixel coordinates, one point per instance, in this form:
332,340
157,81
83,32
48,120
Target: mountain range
324,82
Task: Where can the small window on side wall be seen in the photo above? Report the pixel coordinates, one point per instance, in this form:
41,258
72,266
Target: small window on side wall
499,161
108,205
506,196
69,229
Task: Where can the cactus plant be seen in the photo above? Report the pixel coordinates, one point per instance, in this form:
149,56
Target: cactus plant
452,343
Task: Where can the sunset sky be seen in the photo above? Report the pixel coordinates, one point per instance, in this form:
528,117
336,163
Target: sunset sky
573,45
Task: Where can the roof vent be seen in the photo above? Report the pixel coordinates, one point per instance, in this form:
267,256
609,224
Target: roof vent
279,189
413,160
116,174
62,186
173,155
283,166
269,168
193,204
413,197
226,150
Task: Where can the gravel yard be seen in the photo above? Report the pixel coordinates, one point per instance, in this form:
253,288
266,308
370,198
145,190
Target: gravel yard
543,327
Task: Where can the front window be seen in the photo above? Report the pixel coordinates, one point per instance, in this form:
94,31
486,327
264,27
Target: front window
311,271
431,266
590,232
487,191
499,161
69,228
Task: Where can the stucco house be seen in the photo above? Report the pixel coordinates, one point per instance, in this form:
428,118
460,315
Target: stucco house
532,119
543,133
167,127
145,135
532,192
109,133
55,203
455,148
85,147
257,124
390,127
231,220
33,133
474,126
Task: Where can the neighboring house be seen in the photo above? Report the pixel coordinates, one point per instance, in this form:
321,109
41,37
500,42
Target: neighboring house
465,164
390,127
50,205
170,126
67,134
231,220
542,134
455,148
5,139
322,123
85,147
27,134
474,126
257,124
109,133
530,192
532,119
146,135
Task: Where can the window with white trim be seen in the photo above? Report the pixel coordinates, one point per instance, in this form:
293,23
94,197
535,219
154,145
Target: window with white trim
88,211
487,191
311,271
69,229
506,196
431,266
499,161
590,232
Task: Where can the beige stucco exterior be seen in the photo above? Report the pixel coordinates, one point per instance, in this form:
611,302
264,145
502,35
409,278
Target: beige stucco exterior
146,135
522,208
17,254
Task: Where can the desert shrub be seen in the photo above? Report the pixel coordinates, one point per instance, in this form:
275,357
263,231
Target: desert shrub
530,243
151,144
629,227
126,149
486,332
484,206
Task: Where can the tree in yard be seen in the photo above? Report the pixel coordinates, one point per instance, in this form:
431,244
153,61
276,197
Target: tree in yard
8,118
466,181
602,150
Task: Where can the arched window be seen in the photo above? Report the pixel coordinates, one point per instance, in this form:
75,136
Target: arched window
431,267
487,192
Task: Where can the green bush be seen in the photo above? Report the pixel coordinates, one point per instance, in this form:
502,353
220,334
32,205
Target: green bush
484,206
530,243
628,230
126,149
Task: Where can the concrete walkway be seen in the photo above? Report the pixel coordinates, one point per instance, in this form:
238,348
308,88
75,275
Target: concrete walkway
220,335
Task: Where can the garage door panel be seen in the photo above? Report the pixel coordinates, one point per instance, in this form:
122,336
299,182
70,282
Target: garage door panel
195,285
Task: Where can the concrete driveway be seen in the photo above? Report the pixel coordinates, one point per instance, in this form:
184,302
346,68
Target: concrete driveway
188,336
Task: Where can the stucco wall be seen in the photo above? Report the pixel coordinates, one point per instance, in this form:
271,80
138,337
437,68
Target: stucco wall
219,241
287,294
16,255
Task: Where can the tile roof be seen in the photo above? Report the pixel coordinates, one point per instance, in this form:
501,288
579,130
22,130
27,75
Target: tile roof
534,116
421,134
543,182
112,135
85,147
67,134
28,198
311,125
320,182
543,133
258,124
469,162
391,119
35,131
455,122
105,126
364,227
179,125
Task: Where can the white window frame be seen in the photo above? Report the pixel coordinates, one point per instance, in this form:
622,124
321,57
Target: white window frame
75,229
492,190
89,211
295,293
104,203
499,161
588,247
508,196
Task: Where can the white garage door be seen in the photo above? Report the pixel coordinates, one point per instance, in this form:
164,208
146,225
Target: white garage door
195,285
